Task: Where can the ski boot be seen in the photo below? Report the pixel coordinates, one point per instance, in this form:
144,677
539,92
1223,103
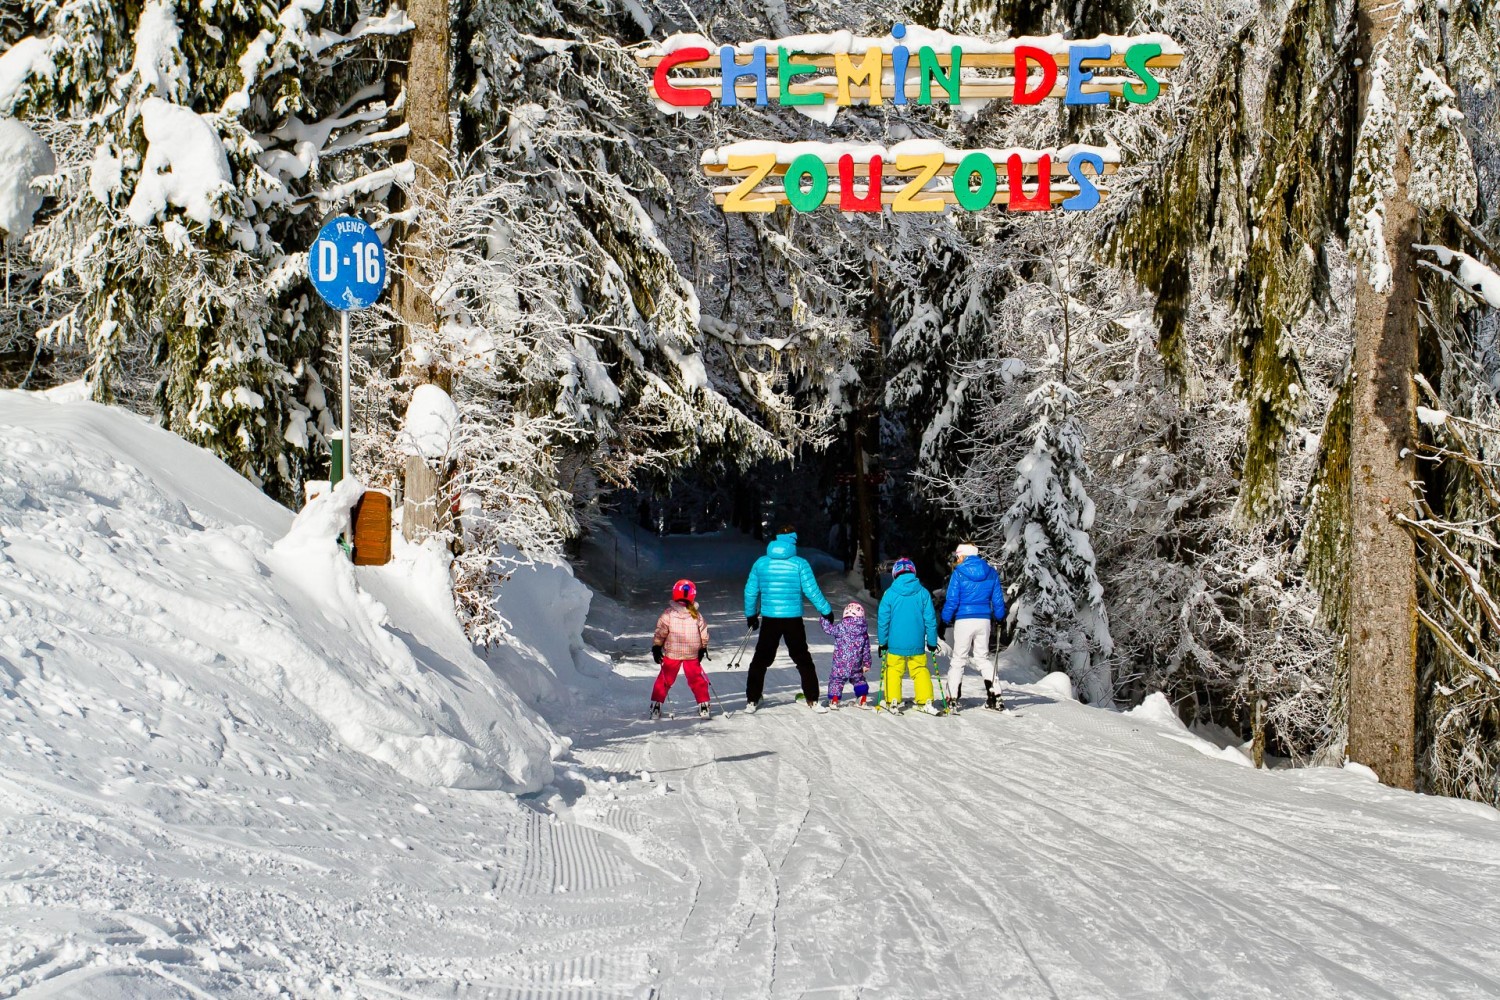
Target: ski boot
655,711
819,707
992,698
833,704
928,708
703,712
750,707
893,707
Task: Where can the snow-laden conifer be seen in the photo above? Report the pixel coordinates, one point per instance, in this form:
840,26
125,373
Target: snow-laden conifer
1056,599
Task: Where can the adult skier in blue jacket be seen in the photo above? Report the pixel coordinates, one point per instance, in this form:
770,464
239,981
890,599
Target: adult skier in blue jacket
778,582
974,598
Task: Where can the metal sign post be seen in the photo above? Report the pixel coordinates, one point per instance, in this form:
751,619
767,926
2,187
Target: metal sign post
344,439
347,267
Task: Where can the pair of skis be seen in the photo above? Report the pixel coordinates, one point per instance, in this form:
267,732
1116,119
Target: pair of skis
940,698
713,691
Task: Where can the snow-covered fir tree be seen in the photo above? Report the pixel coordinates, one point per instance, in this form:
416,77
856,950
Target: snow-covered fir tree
198,147
1056,599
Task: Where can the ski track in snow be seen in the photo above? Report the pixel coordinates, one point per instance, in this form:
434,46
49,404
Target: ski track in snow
1057,852
1060,852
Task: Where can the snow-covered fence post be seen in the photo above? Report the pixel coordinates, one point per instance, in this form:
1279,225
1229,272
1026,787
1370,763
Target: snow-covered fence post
428,439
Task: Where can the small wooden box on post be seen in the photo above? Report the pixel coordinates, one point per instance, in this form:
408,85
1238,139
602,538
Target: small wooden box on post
372,529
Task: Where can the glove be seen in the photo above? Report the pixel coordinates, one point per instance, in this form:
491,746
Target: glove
942,629
828,617
931,648
656,654
703,654
880,652
753,623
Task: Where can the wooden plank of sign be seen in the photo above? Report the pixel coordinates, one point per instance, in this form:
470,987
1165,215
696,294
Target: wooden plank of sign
999,88
971,60
888,169
1060,194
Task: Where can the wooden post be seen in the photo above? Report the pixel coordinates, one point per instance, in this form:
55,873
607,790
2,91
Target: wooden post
419,508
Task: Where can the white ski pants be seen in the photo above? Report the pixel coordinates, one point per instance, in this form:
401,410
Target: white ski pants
971,645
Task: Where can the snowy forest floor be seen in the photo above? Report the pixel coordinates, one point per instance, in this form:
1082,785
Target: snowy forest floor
1061,851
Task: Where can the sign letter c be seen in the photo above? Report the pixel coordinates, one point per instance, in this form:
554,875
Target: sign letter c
681,97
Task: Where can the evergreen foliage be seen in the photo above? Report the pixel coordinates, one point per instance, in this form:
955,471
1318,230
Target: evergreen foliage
178,252
1056,599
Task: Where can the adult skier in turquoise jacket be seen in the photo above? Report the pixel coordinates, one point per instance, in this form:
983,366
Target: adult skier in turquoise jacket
778,583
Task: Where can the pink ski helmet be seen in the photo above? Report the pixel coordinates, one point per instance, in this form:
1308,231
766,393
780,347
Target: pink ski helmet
903,565
684,590
854,609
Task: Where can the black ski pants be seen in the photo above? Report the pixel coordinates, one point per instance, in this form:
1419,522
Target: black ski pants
772,631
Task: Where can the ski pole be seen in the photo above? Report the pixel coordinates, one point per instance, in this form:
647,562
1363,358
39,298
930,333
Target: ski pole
995,670
734,661
715,692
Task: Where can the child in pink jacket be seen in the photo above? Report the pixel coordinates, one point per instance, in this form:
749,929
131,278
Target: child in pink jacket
680,642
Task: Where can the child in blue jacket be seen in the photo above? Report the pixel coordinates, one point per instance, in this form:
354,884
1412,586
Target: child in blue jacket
907,631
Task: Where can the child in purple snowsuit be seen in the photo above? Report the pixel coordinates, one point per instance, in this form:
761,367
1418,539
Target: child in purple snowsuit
851,654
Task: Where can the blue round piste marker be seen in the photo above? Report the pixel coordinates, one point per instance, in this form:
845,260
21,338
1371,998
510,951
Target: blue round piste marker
347,263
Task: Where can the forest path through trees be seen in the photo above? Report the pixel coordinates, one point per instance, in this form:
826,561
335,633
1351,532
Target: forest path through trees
1058,851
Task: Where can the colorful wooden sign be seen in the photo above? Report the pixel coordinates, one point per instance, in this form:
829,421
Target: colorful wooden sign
911,176
817,75
910,66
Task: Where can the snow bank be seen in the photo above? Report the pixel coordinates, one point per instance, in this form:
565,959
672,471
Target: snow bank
154,596
544,657
1158,712
24,157
1059,685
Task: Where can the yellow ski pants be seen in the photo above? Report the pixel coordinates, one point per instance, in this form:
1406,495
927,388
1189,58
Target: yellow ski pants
921,679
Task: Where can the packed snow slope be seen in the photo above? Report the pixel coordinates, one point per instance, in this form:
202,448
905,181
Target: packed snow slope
142,582
232,765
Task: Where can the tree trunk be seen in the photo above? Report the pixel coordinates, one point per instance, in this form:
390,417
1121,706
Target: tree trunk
427,147
1382,565
869,561
869,555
